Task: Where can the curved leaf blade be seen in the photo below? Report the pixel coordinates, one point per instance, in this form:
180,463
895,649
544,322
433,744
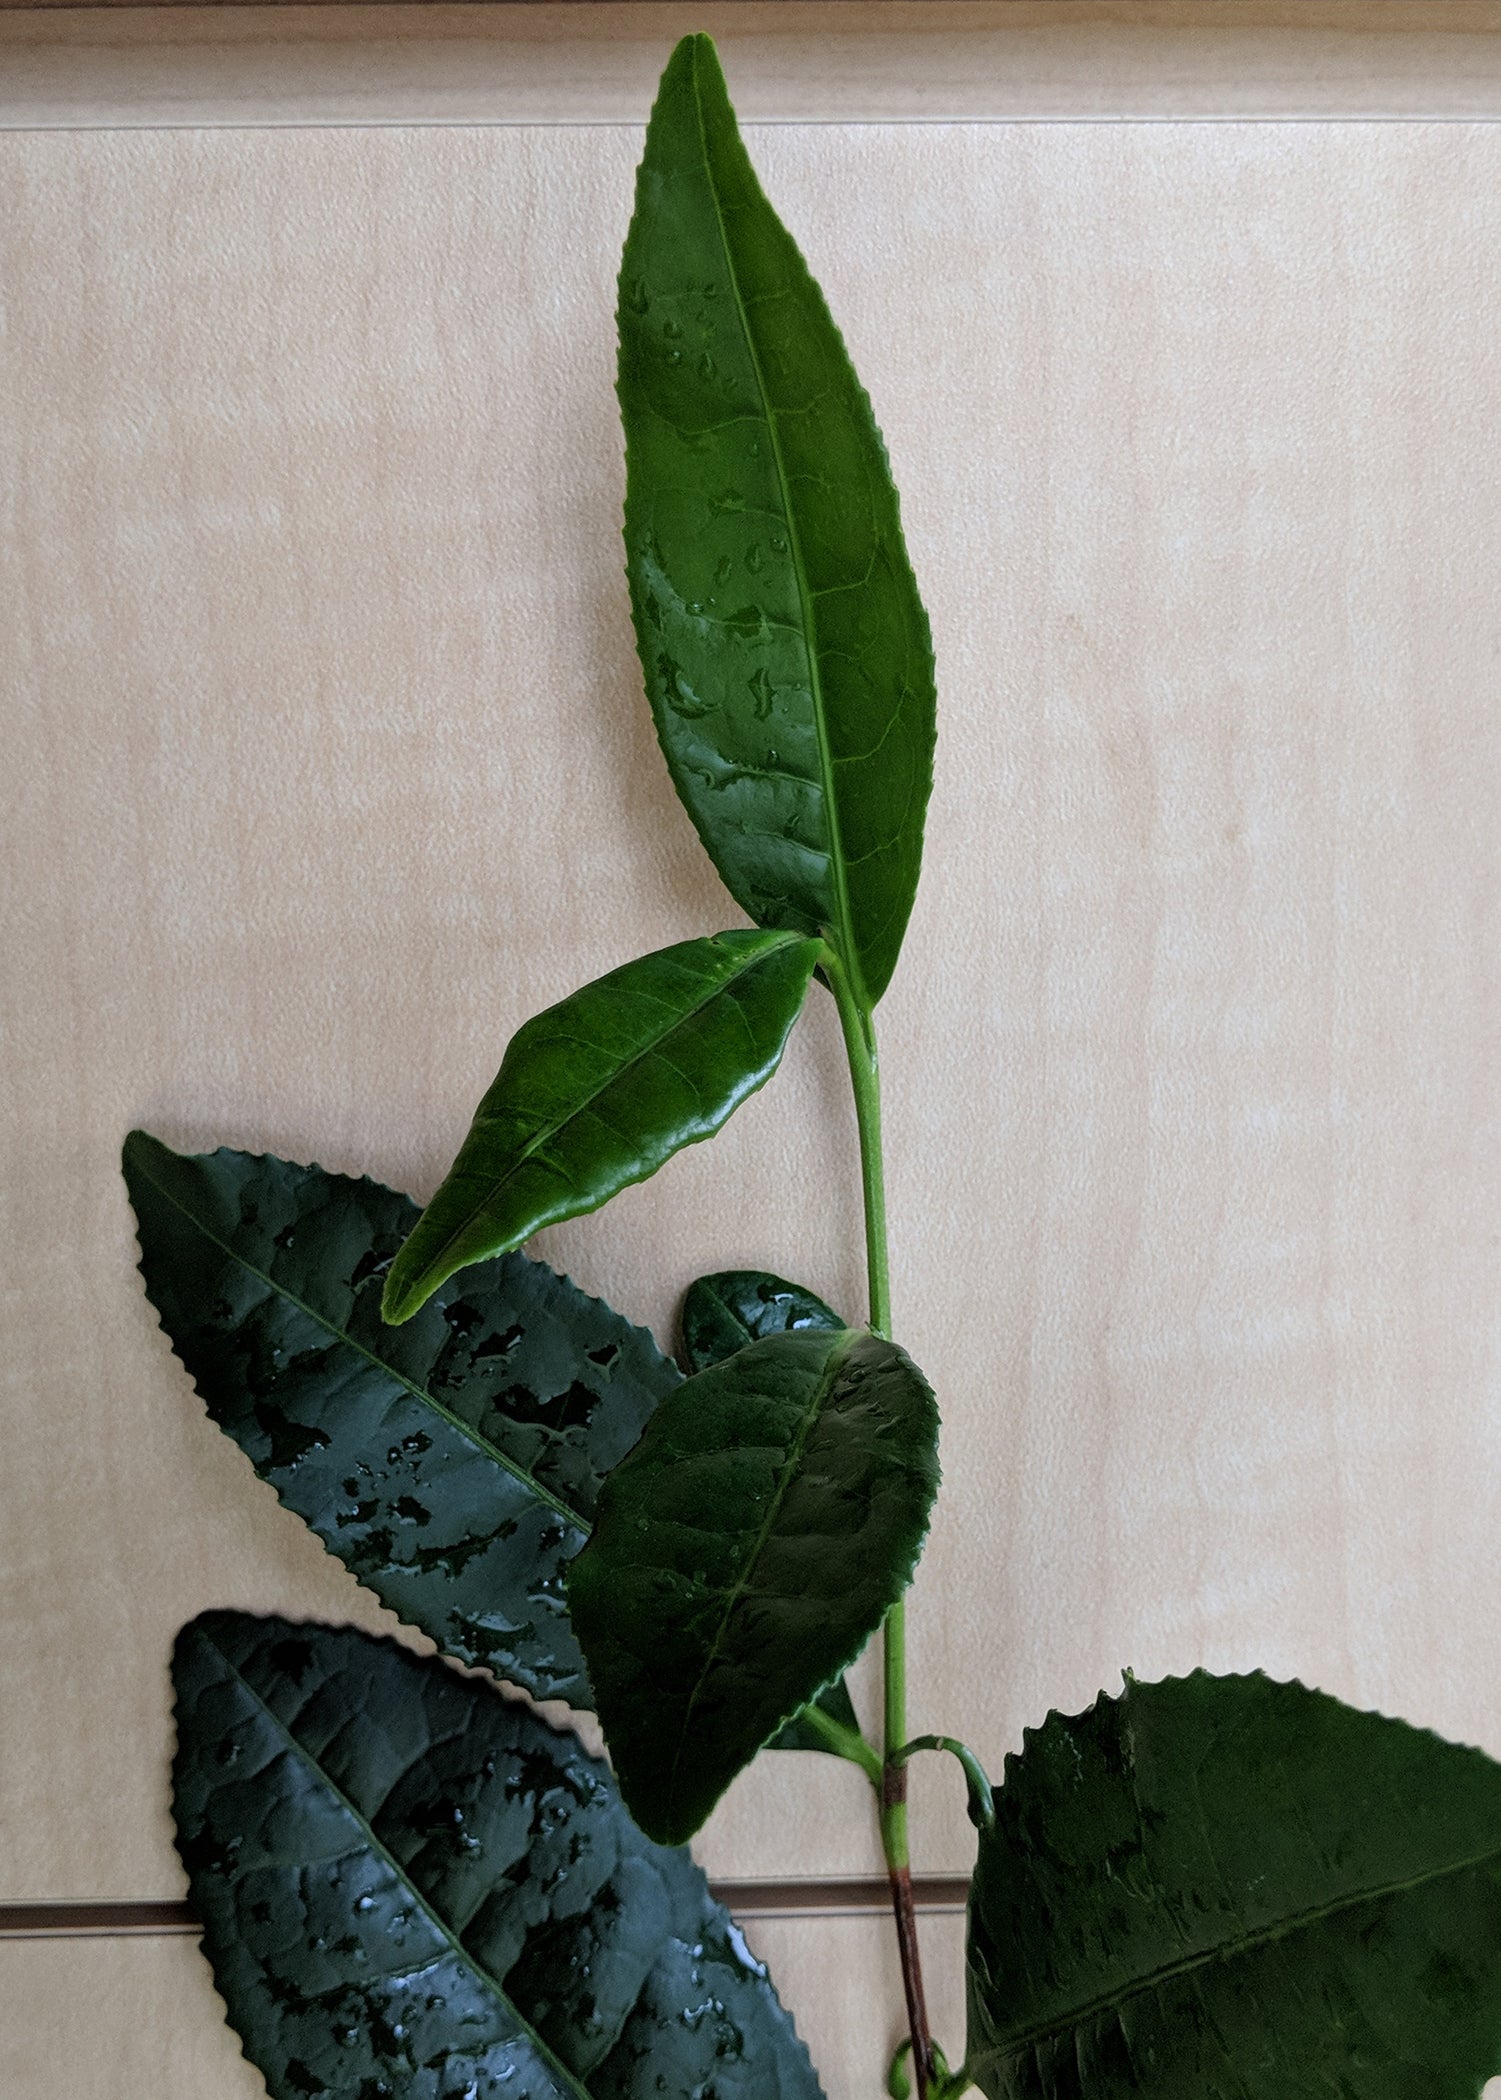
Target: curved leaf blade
743,1554
601,1089
786,650
411,1885
1229,1886
724,1311
452,1465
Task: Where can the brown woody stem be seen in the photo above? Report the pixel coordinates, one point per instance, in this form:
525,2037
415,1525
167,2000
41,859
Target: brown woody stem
893,1810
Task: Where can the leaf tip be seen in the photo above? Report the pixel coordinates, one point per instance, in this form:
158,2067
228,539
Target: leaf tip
139,1147
400,1297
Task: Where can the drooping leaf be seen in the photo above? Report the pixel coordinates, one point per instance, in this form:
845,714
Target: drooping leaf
1230,1889
743,1554
599,1090
453,1464
412,1887
786,650
722,1312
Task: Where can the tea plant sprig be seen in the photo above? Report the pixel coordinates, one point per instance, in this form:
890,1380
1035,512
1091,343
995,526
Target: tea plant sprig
410,1884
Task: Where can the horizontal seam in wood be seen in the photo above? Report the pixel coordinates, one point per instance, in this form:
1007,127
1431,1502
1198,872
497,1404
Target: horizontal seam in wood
857,1896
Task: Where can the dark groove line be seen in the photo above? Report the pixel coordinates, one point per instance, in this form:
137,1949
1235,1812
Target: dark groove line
867,1897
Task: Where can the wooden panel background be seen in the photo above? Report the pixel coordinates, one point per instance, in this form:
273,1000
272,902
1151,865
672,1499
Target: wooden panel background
327,764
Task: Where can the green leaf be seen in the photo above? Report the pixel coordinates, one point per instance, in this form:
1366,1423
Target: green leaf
453,1465
411,1886
722,1312
743,1554
786,651
598,1091
1229,1889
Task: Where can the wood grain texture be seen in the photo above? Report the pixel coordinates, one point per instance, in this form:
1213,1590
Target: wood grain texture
793,61
327,764
152,2025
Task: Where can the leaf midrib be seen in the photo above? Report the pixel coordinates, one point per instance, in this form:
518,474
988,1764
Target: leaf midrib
471,1435
383,1851
843,1342
849,952
1250,1943
541,1136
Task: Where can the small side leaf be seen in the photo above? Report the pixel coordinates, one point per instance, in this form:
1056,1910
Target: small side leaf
722,1312
1225,1885
786,650
453,1465
598,1091
409,1885
743,1554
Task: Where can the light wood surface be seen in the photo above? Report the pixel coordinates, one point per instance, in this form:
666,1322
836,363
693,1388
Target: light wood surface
794,61
140,2019
327,764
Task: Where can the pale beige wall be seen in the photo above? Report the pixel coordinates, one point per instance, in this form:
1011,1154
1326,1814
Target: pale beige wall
326,763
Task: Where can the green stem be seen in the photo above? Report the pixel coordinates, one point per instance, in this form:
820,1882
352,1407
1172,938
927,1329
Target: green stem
865,1077
843,1742
860,1050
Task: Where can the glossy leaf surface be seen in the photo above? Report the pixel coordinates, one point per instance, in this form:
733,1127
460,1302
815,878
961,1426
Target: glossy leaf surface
722,1313
452,1464
743,1554
786,651
725,1311
413,1889
600,1090
1230,1889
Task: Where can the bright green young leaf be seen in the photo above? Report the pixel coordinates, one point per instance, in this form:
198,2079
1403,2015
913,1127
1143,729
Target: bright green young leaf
598,1091
743,1554
786,651
721,1313
413,1888
1230,1889
452,1464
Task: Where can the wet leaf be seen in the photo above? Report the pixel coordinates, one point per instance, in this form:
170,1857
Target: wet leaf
722,1312
600,1090
452,1464
1230,1887
743,1554
786,650
413,1889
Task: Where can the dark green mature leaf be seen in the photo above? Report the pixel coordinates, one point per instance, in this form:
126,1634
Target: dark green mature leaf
1229,1889
743,1554
453,1464
725,1311
598,1091
412,1887
722,1313
786,650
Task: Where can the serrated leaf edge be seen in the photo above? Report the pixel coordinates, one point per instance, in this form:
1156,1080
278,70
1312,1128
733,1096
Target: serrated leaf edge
568,2081
1251,1942
470,1435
